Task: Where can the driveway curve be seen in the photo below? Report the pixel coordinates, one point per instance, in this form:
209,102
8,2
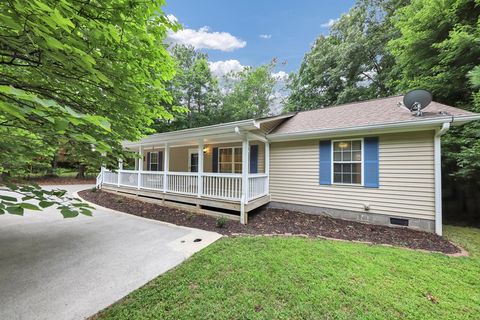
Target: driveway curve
56,268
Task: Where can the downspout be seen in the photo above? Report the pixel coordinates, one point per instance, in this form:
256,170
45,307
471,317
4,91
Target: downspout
438,176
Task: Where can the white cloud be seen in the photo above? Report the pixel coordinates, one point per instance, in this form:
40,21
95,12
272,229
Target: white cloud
329,23
221,68
172,18
280,75
203,38
265,36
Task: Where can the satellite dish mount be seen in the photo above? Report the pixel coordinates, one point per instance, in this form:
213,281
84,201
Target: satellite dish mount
417,100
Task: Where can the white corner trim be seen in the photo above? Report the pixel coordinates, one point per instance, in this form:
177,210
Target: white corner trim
438,176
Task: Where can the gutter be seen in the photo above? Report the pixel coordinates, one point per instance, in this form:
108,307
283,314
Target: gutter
438,175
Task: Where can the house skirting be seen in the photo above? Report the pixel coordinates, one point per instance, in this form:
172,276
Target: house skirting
373,218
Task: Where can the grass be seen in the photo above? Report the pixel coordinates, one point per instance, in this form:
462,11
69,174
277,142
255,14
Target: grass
299,278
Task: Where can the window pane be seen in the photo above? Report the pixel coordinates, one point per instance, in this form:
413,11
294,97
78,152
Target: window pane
337,167
238,168
347,156
347,178
336,146
346,167
238,155
357,156
337,156
356,168
226,167
356,145
153,167
225,155
356,178
337,178
153,157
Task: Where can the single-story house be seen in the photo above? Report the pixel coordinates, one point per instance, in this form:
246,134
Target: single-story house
373,161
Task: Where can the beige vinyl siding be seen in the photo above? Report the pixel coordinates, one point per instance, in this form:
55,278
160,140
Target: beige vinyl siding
406,177
179,156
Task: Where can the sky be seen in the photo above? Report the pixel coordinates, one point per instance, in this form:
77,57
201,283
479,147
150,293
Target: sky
250,33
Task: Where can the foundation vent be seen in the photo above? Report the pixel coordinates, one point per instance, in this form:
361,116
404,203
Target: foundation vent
399,222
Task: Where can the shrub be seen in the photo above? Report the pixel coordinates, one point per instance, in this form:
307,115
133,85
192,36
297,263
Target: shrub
221,222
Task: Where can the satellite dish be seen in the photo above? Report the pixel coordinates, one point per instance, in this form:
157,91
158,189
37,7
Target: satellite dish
416,100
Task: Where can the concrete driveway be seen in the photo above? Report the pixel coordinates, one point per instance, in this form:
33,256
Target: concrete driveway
55,268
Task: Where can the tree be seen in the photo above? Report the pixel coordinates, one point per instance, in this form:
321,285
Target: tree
92,73
249,93
437,50
437,47
351,63
195,91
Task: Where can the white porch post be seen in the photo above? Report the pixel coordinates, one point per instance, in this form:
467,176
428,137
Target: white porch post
140,167
167,165
200,168
267,167
244,200
120,167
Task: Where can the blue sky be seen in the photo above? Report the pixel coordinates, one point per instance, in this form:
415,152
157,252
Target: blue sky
250,33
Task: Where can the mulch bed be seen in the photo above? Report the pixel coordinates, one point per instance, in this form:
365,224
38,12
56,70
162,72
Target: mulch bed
275,221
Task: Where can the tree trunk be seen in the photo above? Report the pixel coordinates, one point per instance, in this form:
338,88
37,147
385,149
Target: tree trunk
81,171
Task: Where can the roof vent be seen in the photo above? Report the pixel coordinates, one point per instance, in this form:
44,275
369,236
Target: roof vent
417,100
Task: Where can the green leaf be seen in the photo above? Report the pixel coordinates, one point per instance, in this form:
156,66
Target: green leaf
29,206
8,198
86,212
45,204
11,186
15,210
12,110
68,213
60,124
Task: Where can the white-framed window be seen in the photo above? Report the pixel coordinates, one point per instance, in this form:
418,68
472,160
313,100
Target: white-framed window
230,160
347,161
153,161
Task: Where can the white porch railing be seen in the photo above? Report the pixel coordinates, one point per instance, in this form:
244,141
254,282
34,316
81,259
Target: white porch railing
182,182
215,185
222,185
257,186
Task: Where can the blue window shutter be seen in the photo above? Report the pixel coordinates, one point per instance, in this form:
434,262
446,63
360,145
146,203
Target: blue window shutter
215,160
148,161
371,163
326,162
254,158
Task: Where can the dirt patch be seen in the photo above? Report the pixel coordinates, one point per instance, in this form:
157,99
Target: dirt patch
276,221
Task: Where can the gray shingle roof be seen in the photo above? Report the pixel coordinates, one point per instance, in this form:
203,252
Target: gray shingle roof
366,113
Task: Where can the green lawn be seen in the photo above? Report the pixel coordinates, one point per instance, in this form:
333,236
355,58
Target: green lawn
298,278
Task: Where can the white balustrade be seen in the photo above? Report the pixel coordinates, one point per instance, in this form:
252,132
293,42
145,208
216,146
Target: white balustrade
257,185
128,178
109,177
215,185
182,182
223,186
152,180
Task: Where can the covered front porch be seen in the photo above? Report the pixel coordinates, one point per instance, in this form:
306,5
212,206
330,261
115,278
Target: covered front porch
221,171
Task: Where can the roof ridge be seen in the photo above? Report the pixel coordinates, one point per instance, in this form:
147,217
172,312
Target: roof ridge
349,103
